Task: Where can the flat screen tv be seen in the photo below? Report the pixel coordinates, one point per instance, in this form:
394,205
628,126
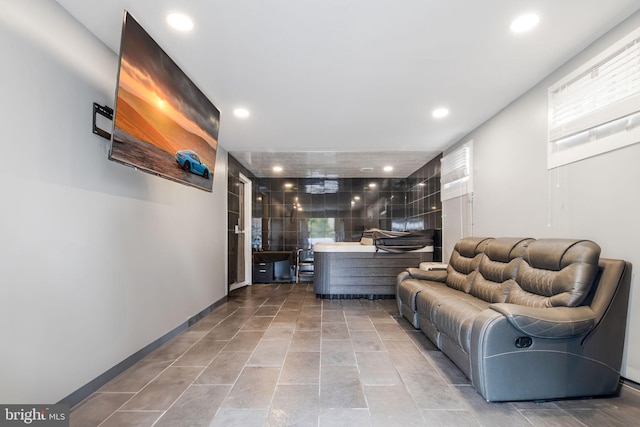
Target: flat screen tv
163,124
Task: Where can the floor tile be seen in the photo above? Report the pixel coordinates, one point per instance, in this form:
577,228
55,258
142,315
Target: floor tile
367,341
240,418
257,323
448,418
313,323
340,387
337,353
196,407
269,353
301,368
391,331
225,368
132,419
344,417
97,408
267,310
611,416
333,316
244,341
359,323
279,332
160,393
253,389
376,369
137,376
173,349
295,405
392,406
552,417
335,330
304,340
201,353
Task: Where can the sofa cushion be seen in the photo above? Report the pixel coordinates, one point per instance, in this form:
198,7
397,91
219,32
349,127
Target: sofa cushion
409,288
429,298
555,273
464,260
454,318
497,269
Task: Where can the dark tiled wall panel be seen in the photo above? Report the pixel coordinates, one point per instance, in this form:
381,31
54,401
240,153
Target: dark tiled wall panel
295,213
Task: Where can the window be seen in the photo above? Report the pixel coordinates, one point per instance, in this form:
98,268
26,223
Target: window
456,172
596,108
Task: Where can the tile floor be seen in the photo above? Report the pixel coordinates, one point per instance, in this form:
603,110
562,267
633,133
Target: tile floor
274,355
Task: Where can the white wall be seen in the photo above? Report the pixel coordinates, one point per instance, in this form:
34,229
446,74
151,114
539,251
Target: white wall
97,260
598,198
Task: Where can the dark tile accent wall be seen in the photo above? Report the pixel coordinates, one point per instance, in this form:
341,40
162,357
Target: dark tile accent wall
424,206
296,213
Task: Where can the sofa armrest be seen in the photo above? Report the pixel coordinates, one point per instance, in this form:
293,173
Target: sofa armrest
433,275
553,322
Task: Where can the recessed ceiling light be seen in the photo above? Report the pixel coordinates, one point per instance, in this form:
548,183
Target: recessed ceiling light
524,22
288,185
366,169
440,113
241,113
277,168
388,168
180,22
372,185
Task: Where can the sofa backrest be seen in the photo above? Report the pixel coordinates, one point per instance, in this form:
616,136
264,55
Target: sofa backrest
498,267
555,273
464,261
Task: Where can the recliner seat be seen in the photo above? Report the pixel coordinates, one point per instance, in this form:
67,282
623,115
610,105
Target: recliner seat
534,319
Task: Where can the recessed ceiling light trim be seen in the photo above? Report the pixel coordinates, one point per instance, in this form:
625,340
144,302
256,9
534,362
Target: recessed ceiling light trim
180,21
440,112
524,23
241,113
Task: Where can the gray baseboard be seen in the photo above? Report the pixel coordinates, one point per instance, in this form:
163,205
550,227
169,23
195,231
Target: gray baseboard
86,390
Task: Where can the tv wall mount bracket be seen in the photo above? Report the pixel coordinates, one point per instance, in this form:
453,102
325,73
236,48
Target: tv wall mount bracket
106,112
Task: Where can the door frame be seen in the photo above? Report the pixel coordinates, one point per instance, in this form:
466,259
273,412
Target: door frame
247,211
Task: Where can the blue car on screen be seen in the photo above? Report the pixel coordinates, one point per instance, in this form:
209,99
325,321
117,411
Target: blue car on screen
189,161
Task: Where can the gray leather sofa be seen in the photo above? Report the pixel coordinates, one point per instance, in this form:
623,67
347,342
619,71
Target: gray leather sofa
525,319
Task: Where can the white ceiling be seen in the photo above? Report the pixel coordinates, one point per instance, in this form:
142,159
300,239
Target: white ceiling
352,83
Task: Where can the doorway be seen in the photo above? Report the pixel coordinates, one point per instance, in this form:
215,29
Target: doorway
242,235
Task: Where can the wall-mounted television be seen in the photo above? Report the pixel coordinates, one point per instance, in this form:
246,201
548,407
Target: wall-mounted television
163,124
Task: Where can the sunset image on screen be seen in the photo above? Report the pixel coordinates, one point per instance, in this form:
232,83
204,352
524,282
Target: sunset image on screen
163,123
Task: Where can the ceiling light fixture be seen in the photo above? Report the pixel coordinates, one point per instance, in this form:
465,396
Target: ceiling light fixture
241,113
180,22
277,168
388,168
524,23
440,113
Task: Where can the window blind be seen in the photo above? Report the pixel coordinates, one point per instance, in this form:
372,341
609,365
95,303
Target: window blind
455,173
599,102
